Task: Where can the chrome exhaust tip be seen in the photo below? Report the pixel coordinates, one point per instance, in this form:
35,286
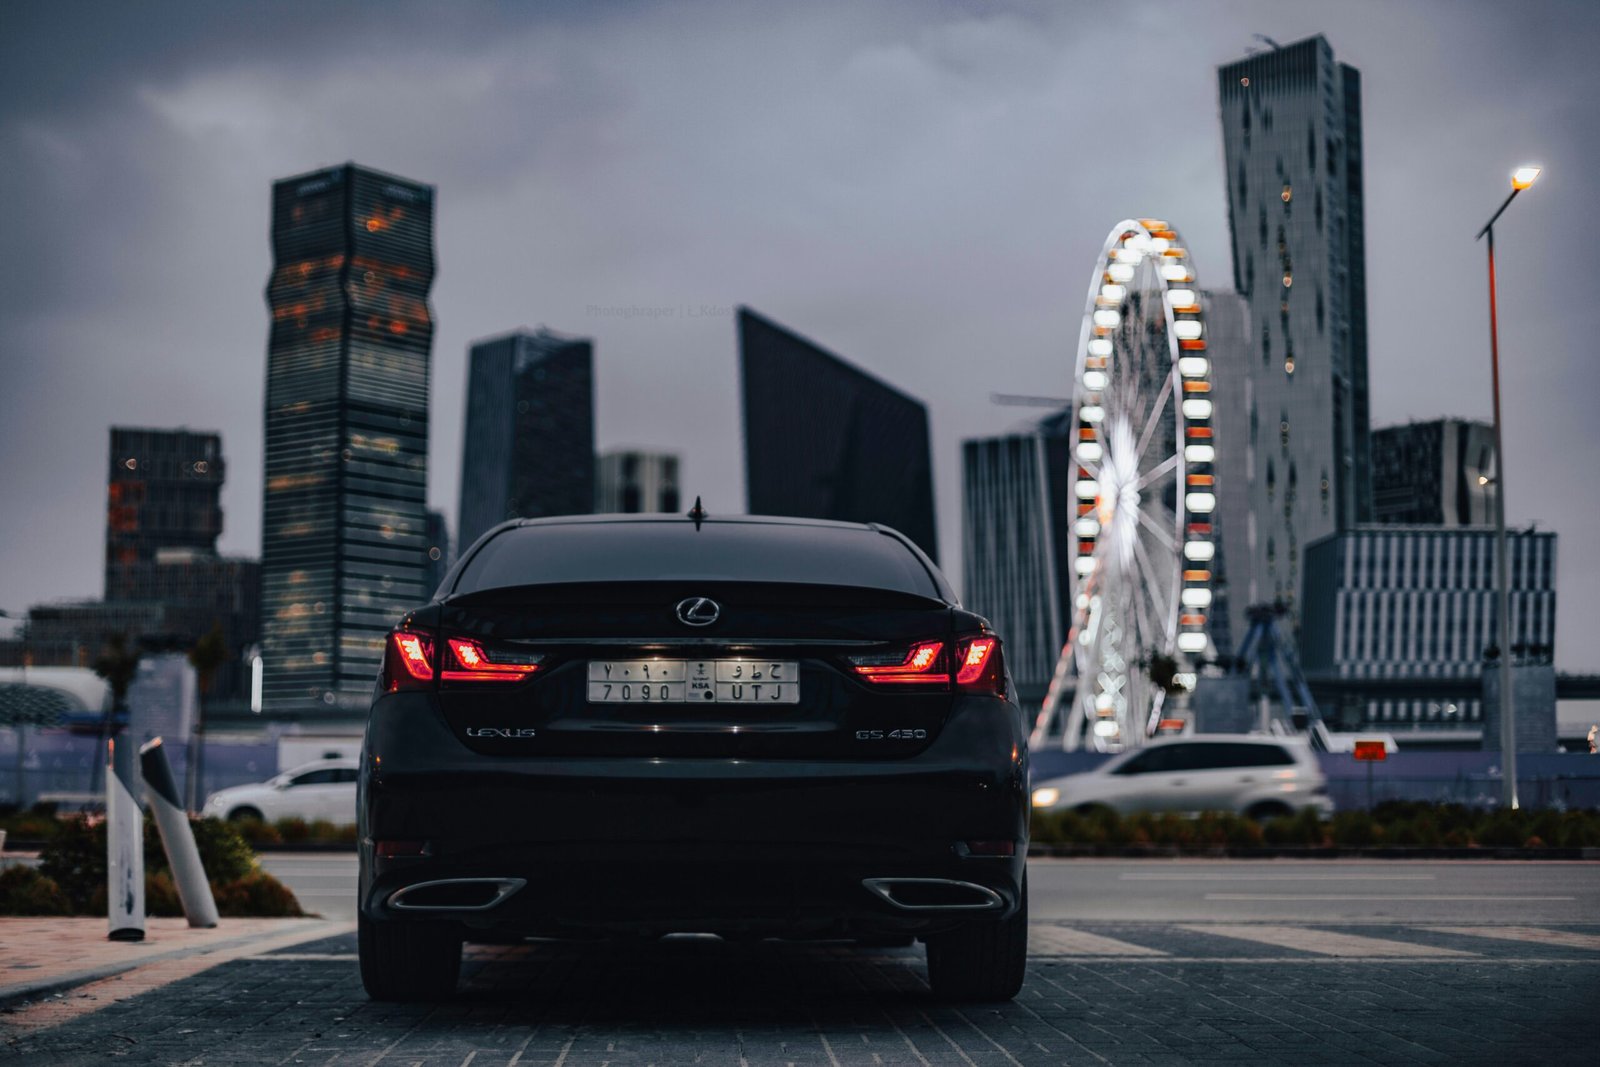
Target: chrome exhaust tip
934,894
454,894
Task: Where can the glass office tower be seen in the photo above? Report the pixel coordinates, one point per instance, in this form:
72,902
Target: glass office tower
344,520
1291,134
528,448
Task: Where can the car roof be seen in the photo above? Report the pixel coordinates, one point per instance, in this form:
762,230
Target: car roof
318,764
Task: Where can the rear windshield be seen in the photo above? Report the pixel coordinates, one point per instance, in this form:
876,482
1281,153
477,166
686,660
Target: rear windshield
668,551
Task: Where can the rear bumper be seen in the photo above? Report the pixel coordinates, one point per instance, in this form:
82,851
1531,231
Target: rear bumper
726,846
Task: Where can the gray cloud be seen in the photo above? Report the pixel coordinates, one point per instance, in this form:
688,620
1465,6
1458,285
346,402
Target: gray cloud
921,188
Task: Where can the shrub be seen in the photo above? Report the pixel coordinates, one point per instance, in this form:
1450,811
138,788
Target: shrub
256,894
27,891
160,895
1356,829
293,830
256,832
75,859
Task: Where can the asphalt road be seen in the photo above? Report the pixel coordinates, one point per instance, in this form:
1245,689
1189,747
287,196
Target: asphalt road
1405,891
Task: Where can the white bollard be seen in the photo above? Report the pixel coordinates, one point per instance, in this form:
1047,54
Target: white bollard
177,836
124,844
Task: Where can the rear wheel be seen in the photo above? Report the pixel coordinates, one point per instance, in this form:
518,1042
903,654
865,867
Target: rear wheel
981,961
1268,810
245,814
408,961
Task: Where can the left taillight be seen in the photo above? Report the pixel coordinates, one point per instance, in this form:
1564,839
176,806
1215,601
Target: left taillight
469,661
408,661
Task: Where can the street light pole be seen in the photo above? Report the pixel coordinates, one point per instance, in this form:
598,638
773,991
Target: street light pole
1521,179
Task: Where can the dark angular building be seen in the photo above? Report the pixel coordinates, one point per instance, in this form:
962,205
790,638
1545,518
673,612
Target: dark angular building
164,493
343,515
528,450
1437,473
826,440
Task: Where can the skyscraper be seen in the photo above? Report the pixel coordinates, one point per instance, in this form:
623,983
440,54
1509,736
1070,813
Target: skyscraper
628,481
437,554
1017,545
163,495
1438,473
528,449
825,440
343,514
1291,124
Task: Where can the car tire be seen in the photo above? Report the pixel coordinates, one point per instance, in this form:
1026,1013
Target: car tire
1268,810
982,962
408,961
245,814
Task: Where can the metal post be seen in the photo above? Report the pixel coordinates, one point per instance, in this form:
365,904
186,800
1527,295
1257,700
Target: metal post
1508,722
177,836
124,844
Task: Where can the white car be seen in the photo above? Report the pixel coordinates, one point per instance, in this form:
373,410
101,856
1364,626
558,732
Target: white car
1257,776
325,789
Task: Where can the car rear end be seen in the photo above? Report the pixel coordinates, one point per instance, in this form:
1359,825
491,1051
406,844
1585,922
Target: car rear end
746,728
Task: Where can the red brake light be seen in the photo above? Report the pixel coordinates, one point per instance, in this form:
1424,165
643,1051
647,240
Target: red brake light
408,661
473,664
980,667
921,664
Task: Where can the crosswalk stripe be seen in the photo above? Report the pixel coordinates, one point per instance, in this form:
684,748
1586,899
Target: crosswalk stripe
1322,942
1528,934
1065,941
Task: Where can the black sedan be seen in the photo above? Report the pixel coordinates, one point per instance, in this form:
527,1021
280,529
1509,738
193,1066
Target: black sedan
752,727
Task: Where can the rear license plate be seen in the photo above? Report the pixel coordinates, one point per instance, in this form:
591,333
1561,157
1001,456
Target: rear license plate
702,681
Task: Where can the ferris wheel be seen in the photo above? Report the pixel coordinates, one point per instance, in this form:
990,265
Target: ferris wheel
1144,488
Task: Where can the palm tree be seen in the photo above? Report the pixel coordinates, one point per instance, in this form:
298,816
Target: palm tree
208,654
118,664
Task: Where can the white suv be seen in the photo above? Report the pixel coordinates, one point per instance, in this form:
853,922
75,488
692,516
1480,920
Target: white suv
325,789
1257,776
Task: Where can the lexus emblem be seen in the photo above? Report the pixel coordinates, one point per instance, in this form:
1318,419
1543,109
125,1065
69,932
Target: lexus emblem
698,611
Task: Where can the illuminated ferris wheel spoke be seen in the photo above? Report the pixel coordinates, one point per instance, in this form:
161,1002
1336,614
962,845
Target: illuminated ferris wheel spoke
1159,471
1143,486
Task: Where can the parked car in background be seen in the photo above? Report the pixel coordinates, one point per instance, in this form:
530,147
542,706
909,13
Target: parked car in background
325,789
1257,776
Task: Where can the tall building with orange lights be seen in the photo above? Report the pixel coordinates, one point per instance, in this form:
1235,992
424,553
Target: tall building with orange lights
1291,135
344,518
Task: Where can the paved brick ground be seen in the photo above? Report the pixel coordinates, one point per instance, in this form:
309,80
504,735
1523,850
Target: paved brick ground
1125,993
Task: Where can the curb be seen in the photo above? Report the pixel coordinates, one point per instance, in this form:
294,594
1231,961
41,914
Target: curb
22,993
1307,853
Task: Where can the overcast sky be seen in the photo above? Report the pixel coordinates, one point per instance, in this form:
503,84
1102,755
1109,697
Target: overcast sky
920,187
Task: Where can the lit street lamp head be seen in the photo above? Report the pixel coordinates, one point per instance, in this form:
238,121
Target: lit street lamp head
1523,177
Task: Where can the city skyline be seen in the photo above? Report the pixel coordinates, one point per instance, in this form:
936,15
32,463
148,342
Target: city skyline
654,277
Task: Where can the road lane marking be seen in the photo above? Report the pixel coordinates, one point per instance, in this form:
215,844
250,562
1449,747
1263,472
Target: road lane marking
1365,896
1323,942
1532,935
1065,941
1157,876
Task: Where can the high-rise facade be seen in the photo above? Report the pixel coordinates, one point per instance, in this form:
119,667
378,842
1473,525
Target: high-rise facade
1415,607
628,481
343,514
825,440
1438,473
437,554
1291,124
163,495
528,449
1017,546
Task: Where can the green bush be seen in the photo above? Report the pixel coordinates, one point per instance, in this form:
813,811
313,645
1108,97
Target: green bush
257,894
75,859
28,891
293,831
256,832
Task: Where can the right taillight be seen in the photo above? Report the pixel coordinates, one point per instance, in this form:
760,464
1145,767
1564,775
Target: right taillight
408,661
973,665
979,667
